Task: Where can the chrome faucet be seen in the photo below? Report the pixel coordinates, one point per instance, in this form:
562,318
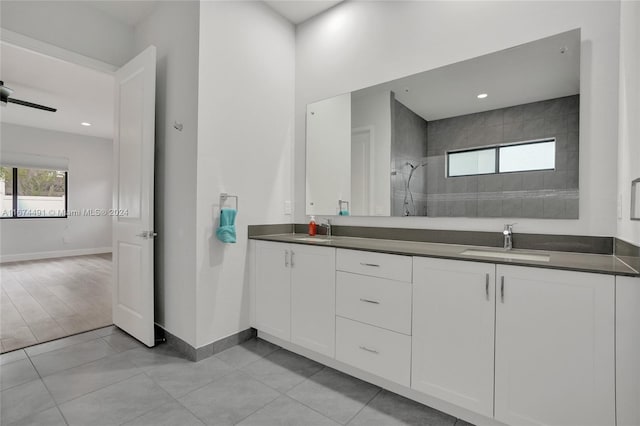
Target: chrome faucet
328,226
508,234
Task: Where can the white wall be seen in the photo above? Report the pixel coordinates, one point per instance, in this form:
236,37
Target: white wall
70,25
374,111
629,130
173,29
358,44
89,187
245,135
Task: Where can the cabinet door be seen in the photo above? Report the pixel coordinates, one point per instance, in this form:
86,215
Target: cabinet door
273,289
453,332
313,294
554,347
628,350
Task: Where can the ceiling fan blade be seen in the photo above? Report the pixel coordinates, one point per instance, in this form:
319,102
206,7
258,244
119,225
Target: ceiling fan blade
31,105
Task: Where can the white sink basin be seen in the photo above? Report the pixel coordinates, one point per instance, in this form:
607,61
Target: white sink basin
314,239
508,255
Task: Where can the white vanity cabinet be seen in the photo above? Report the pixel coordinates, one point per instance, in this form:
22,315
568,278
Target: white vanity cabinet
373,326
453,332
516,345
295,294
554,347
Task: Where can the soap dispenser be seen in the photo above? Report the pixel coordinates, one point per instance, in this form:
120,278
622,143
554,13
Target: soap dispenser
312,226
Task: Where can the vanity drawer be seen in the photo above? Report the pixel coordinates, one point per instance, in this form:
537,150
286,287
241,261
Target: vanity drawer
382,352
376,301
390,266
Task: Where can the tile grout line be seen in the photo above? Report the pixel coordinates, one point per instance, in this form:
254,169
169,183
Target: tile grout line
154,408
48,391
196,389
75,366
364,406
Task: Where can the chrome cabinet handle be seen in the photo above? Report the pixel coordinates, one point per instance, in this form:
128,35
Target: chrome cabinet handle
486,286
292,253
375,302
373,351
370,264
502,289
286,258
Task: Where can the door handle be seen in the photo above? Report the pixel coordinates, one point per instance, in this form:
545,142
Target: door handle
286,258
502,289
486,286
292,253
147,235
370,264
375,302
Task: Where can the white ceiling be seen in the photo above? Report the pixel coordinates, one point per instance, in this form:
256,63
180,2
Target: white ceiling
298,11
129,12
79,93
528,73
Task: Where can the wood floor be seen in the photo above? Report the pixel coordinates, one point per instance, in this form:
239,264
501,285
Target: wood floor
42,300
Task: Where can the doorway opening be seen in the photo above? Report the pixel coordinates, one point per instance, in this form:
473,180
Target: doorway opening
56,189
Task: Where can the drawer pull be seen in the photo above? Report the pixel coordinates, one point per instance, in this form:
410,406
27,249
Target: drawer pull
373,351
370,264
375,302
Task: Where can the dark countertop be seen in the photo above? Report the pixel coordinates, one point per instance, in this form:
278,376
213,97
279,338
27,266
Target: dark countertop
583,262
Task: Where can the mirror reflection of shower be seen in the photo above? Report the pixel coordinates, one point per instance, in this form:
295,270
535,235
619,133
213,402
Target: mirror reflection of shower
408,205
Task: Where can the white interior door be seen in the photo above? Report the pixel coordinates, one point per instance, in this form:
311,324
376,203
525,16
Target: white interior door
133,196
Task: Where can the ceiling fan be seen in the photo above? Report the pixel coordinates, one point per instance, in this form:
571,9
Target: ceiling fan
6,92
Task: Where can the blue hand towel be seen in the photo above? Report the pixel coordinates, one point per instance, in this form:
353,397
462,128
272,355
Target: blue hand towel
226,232
344,213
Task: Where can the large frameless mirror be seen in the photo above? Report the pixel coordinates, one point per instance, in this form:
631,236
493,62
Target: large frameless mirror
492,136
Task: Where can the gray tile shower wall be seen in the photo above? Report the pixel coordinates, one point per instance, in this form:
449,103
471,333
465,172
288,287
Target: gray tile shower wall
408,152
549,194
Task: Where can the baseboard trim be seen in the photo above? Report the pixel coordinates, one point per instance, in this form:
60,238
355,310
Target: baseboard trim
5,258
197,354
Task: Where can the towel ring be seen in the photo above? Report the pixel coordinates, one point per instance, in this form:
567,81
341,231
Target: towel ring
340,203
224,196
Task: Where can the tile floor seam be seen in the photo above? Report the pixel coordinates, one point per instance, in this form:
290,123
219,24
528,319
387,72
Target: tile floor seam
62,414
18,311
79,365
94,390
196,389
48,391
192,413
311,408
154,408
256,410
63,347
363,406
242,369
97,390
62,338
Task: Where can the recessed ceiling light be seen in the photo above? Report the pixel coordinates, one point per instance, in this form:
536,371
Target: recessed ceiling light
482,95
84,123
